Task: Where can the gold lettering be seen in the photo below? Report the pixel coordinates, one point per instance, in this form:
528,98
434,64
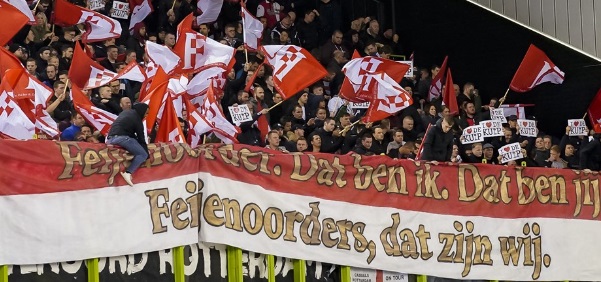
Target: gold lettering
291,218
298,165
70,160
232,214
211,207
179,207
156,210
274,232
329,228
249,209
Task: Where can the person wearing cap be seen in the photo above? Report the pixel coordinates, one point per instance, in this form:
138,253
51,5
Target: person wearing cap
512,120
488,153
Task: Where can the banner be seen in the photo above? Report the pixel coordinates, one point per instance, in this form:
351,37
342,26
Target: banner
240,114
497,114
95,4
528,127
468,221
363,105
472,134
492,128
409,73
120,10
510,152
577,127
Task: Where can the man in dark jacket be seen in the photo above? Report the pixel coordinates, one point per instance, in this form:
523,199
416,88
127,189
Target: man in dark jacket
438,145
590,155
128,132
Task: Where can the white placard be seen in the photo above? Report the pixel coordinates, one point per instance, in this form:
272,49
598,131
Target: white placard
95,4
492,128
363,105
389,276
409,72
510,152
363,275
527,127
240,114
472,134
497,114
577,127
120,10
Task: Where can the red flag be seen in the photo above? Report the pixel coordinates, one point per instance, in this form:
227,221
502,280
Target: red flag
199,85
449,99
421,149
98,26
185,24
389,99
358,85
98,118
253,78
198,52
436,85
170,130
156,96
198,124
14,123
22,6
536,68
294,68
253,30
356,55
262,123
139,11
594,110
13,20
221,126
8,61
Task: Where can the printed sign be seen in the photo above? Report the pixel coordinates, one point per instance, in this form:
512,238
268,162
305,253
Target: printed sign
527,127
120,10
240,114
409,72
363,275
472,134
395,277
511,152
492,128
363,105
577,127
497,114
95,4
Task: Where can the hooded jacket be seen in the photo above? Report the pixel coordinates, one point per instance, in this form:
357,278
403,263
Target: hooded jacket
129,123
438,145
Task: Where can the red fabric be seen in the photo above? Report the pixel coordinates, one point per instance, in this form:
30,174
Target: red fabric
449,98
169,127
294,68
81,67
387,99
12,21
8,61
156,95
98,26
252,79
99,119
436,85
356,55
536,68
262,123
358,85
594,112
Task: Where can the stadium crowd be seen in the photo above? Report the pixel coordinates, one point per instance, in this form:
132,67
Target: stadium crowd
315,120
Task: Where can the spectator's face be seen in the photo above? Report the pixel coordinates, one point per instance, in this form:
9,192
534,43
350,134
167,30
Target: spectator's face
152,39
40,18
68,53
330,126
259,93
287,127
230,32
345,121
321,114
539,144
45,55
204,30
508,134
115,85
366,142
455,150
488,153
269,81
492,103
264,22
274,139
456,89
31,66
477,150
131,57
113,53
286,22
51,72
86,131
446,127
371,49
309,18
379,134
78,120
299,132
569,151
169,40
446,112
298,113
277,97
63,78
337,38
125,103
86,93
398,137
301,145
547,143
470,109
374,27
143,31
318,91
355,38
435,71
105,92
316,141
432,110
243,98
303,98
284,37
69,36
53,61
554,156
408,124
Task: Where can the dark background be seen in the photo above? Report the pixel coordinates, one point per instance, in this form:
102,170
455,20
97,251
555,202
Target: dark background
486,49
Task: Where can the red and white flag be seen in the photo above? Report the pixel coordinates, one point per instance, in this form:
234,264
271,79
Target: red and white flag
140,9
294,68
32,96
161,56
359,83
199,85
437,81
594,110
198,51
449,98
88,74
12,21
221,126
98,26
22,6
98,118
155,97
198,124
389,99
253,30
14,123
169,130
536,68
8,61
210,10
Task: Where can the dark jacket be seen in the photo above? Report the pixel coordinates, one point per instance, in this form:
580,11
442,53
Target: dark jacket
129,123
590,155
438,145
329,143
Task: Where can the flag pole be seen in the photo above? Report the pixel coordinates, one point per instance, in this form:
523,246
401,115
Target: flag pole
347,128
66,84
244,36
173,5
36,7
271,108
502,100
585,114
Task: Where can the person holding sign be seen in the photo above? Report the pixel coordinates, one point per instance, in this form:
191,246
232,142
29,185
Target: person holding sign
438,145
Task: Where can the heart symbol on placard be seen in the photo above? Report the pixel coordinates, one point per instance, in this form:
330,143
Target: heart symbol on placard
236,110
506,149
469,131
488,124
120,6
576,123
525,123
